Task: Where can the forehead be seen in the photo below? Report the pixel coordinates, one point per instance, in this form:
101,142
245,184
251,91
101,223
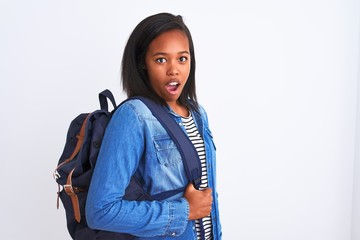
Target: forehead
173,40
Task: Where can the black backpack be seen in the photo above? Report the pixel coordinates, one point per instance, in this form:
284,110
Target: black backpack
76,165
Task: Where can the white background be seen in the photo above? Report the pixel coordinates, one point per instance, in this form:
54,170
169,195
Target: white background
279,80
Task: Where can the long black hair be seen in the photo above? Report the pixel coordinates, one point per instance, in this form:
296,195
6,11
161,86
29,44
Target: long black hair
135,81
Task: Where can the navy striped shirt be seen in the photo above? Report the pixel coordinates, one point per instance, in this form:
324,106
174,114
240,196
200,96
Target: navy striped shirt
198,142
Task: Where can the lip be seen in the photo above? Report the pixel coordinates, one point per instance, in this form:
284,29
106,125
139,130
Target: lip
172,86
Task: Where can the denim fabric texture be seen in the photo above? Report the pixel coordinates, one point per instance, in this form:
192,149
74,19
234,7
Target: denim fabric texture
136,143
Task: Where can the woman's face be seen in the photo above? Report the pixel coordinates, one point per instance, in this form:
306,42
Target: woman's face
168,64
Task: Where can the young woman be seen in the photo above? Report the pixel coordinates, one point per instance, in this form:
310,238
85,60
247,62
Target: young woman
158,63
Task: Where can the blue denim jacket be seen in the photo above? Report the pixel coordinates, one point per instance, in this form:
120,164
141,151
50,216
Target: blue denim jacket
136,143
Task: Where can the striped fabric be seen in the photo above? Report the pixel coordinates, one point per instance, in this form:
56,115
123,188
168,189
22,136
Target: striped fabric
198,142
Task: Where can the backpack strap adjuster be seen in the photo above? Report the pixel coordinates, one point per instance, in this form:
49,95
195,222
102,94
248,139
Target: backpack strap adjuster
71,192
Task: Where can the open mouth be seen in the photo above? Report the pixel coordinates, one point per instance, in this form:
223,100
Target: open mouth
172,86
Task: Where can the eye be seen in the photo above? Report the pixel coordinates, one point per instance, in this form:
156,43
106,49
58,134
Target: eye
160,60
183,59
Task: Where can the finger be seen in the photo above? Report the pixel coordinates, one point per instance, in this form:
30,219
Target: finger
190,187
208,190
208,211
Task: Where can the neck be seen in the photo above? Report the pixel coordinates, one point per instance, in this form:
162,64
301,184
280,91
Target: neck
179,109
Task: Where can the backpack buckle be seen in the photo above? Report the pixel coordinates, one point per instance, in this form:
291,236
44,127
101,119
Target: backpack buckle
69,189
56,175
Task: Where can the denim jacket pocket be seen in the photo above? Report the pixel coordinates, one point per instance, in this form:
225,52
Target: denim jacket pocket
166,151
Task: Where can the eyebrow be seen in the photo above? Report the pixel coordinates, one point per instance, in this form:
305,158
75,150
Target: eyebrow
164,53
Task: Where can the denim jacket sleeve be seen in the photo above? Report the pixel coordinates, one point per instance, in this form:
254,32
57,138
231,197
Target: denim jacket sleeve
120,154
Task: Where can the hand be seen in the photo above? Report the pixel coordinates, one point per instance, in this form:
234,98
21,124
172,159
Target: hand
199,201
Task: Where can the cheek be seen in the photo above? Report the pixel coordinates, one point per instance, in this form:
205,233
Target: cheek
155,73
187,72
152,75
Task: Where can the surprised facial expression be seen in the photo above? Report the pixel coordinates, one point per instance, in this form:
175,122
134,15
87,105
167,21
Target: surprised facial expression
168,64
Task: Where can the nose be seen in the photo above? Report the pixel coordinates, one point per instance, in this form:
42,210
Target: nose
173,69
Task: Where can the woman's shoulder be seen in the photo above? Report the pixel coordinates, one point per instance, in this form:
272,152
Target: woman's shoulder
133,107
201,110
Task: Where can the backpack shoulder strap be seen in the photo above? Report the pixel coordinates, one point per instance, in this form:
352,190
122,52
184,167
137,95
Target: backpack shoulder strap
186,148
